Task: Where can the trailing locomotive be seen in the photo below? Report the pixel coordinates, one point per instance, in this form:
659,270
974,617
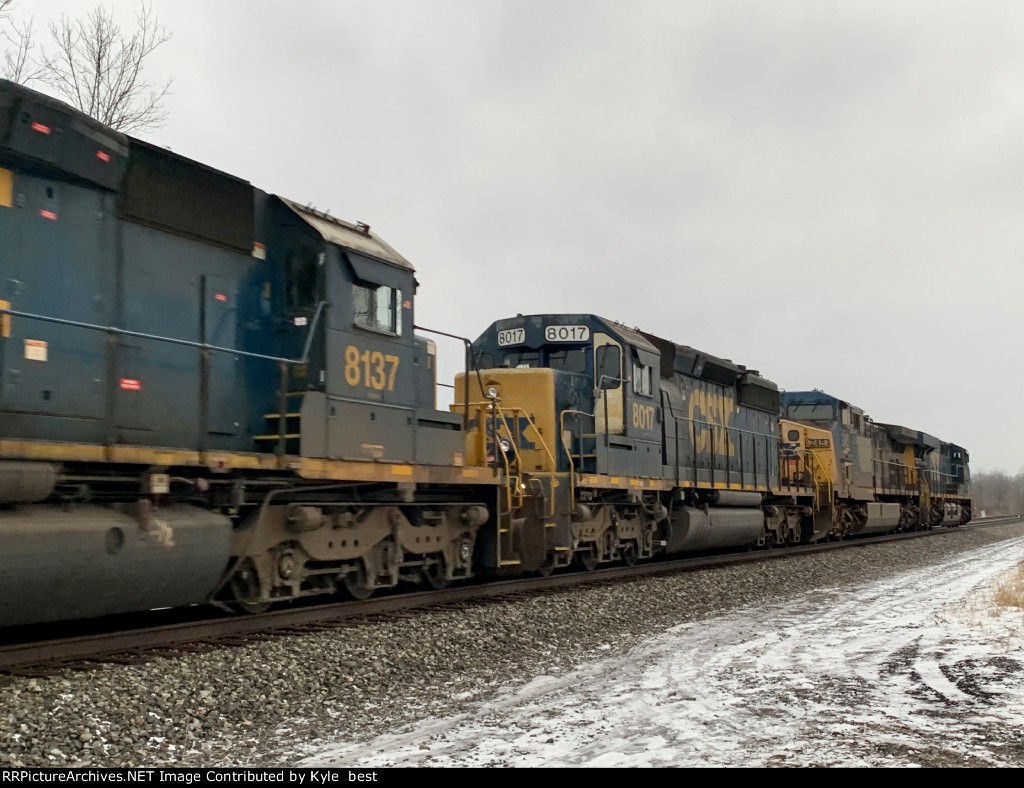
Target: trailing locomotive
622,445
209,393
880,476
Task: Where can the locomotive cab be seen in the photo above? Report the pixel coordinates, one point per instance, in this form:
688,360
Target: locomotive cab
581,396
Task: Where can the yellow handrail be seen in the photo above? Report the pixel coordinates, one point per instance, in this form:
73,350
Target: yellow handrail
568,450
828,476
503,422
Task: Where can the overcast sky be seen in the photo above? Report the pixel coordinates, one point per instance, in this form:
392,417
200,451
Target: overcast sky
828,192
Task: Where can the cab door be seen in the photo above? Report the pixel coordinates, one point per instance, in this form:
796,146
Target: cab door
608,380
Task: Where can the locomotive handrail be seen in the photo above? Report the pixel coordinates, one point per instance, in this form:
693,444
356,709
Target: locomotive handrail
466,363
204,348
816,462
489,407
891,465
604,394
768,439
482,408
568,449
312,331
171,340
540,438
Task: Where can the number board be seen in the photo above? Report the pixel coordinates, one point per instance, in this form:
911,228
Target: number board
817,443
566,333
513,336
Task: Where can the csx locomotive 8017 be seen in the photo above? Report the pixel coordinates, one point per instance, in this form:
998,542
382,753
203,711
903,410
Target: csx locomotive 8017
209,393
622,445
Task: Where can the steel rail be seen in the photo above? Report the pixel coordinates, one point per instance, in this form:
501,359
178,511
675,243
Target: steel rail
58,653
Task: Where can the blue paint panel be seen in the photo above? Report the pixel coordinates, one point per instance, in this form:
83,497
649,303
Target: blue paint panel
55,266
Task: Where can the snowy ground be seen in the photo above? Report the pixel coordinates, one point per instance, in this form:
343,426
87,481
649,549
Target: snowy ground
919,669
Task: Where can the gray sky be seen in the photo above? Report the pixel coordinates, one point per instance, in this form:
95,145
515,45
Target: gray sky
829,192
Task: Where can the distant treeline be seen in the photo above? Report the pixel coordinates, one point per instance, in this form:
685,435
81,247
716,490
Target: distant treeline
997,493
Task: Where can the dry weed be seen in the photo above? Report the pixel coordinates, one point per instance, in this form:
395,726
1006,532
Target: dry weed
1010,592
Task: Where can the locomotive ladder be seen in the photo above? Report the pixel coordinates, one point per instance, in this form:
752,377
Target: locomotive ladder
578,459
283,427
518,487
822,489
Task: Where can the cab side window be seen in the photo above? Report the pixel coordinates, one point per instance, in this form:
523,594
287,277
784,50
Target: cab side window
377,307
641,377
606,363
300,280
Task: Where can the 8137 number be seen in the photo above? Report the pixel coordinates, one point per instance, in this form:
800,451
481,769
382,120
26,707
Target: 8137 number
372,369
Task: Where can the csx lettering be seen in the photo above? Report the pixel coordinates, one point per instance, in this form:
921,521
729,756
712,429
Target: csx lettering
711,415
643,417
372,369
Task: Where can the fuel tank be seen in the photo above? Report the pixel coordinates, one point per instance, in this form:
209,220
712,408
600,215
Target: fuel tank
881,518
63,563
700,529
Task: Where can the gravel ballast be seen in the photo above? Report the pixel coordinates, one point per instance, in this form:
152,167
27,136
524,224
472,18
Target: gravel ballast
251,705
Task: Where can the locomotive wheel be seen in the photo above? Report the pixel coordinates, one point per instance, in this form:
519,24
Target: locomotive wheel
434,576
586,559
630,553
245,590
355,585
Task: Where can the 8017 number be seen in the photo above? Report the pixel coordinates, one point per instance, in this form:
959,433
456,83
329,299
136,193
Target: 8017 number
566,333
370,368
513,336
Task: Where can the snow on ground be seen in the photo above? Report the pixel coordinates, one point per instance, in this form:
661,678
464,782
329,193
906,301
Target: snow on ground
919,669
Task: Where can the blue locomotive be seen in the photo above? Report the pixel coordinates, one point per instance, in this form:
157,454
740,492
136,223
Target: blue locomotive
205,389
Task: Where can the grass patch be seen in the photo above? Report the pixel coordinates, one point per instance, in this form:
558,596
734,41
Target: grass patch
1010,592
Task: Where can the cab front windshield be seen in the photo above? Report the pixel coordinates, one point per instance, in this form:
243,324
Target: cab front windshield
566,359
811,411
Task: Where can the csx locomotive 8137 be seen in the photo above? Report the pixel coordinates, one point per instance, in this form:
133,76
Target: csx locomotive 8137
206,391
209,393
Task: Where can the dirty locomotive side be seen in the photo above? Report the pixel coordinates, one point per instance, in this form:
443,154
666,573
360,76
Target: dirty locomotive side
206,391
618,445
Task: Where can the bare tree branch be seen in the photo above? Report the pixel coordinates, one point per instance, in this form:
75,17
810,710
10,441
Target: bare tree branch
18,64
98,68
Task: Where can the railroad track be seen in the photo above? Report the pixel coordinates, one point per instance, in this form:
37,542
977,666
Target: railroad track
204,628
